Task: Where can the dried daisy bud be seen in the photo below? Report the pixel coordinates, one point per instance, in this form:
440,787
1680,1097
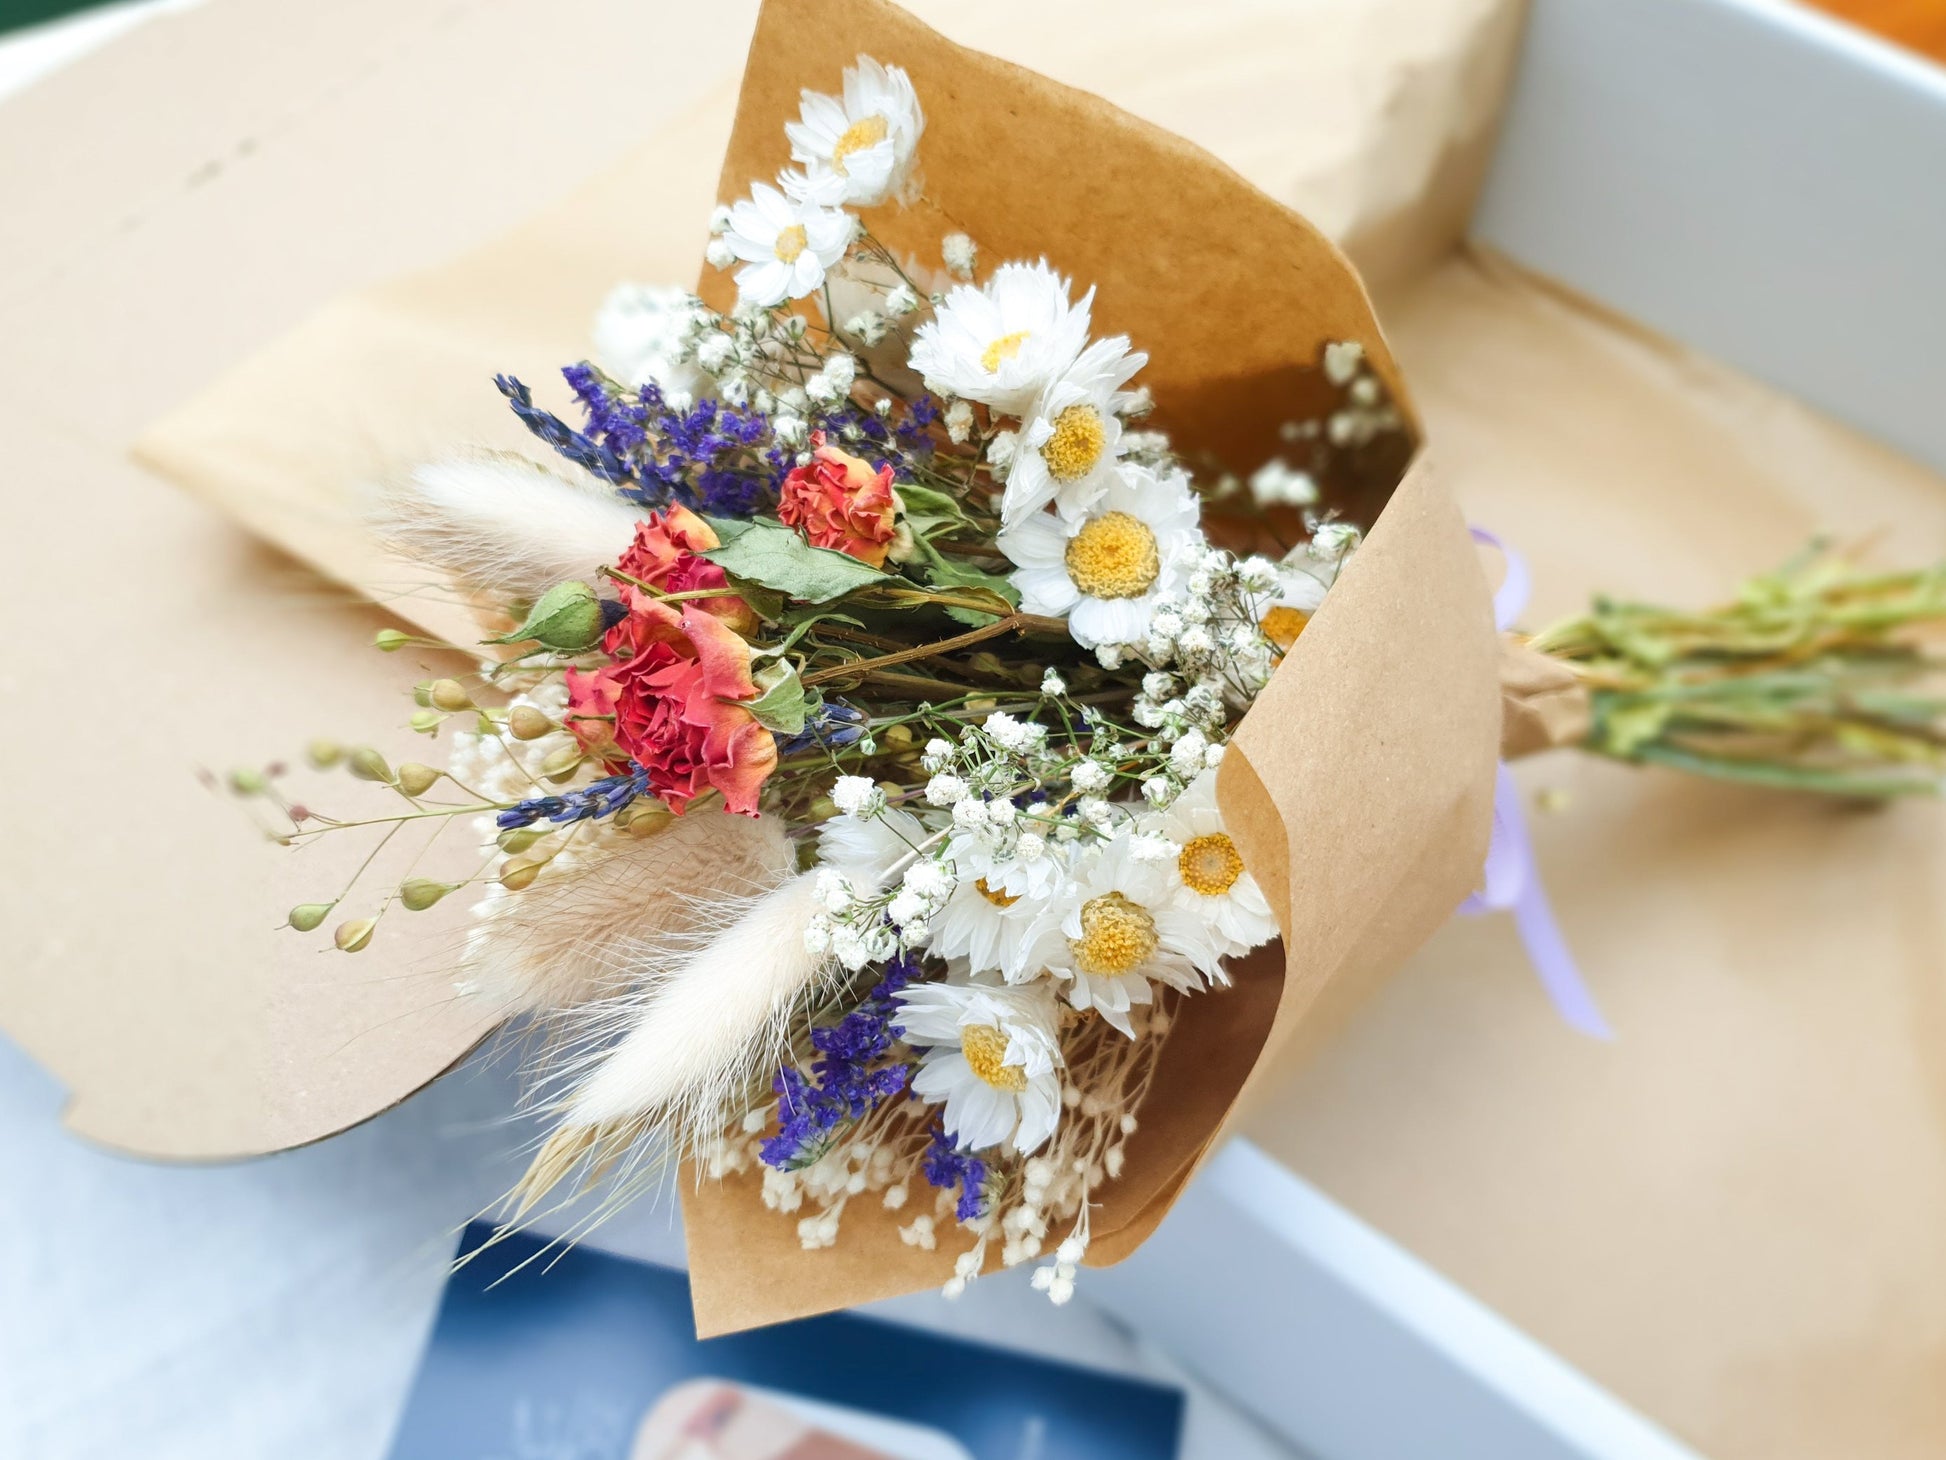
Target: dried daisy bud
528,723
514,842
390,641
367,764
562,763
420,893
519,872
307,917
449,695
644,818
355,936
415,778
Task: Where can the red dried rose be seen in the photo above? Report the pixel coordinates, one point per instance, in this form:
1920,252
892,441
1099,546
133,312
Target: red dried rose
670,703
839,502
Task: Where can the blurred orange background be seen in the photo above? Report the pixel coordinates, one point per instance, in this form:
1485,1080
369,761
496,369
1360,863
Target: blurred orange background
1918,24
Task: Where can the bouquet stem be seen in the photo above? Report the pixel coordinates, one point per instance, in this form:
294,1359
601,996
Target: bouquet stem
1816,677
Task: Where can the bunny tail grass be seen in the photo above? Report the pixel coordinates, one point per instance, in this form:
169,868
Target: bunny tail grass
576,933
676,1062
500,524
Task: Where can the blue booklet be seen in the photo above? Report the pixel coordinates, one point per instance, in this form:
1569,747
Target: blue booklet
585,1356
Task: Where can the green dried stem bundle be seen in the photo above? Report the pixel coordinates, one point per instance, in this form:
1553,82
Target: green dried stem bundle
1817,677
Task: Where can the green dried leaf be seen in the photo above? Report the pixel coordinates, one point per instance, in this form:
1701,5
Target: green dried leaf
784,703
770,555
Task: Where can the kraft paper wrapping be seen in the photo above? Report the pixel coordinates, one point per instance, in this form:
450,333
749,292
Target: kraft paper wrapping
1360,785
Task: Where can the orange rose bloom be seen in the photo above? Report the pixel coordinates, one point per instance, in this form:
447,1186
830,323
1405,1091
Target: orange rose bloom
665,553
839,502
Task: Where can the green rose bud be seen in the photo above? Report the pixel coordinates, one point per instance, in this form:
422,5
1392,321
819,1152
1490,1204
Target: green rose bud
390,641
566,619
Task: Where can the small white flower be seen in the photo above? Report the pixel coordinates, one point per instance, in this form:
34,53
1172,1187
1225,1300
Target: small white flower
1000,450
959,422
1090,775
1104,570
714,352
858,796
992,1058
1030,848
906,908
642,332
946,789
1277,484
1052,685
1109,656
841,369
1342,359
1148,848
970,814
1157,790
928,879
901,301
718,253
833,892
1006,343
863,851
1186,755
1005,731
787,246
938,754
958,253
863,141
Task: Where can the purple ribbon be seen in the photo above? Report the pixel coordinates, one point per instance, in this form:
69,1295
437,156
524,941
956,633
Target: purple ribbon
1511,881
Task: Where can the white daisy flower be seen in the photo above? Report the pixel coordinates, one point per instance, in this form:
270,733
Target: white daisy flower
1207,873
1304,577
1004,344
1104,570
866,138
1115,931
642,334
993,1061
863,851
994,904
1072,439
786,244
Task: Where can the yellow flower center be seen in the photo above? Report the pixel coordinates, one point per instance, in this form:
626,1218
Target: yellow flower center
1116,935
1210,865
868,132
790,243
1282,626
1004,348
985,1048
1114,556
1076,445
998,899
